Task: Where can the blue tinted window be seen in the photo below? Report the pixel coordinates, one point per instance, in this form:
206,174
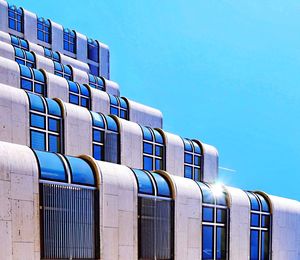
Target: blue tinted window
254,245
43,30
96,82
148,148
207,242
69,41
188,172
148,163
221,243
207,195
15,18
81,171
221,216
144,182
264,203
37,121
208,214
51,166
254,201
38,140
94,70
158,137
98,120
53,107
147,134
163,188
36,102
255,220
265,251
98,152
93,50
20,43
111,124
54,143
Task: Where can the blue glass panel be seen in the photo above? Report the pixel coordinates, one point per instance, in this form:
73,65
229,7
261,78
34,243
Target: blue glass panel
19,52
57,66
40,35
56,56
37,121
197,148
114,111
54,125
92,79
158,150
97,120
254,245
253,201
73,87
53,107
221,216
221,199
264,203
148,148
221,243
24,44
14,40
254,220
93,51
158,164
158,137
39,88
26,84
188,172
265,251
84,90
74,99
163,188
25,71
97,136
197,174
207,195
197,160
51,166
188,158
97,152
123,114
148,163
113,100
123,103
54,145
265,221
36,102
81,171
67,69
144,182
187,145
111,124
38,140
207,242
84,102
147,133
208,214
38,75
94,69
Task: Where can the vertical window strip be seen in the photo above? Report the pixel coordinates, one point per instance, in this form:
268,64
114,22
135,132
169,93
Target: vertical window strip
79,95
260,229
44,30
93,50
153,151
119,107
15,18
53,55
24,57
69,41
32,80
98,133
96,82
45,128
192,160
63,71
19,43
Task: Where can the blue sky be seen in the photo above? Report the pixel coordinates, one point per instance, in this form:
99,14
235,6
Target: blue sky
226,72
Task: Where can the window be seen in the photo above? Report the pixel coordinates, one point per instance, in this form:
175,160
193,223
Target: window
69,41
33,80
69,208
153,149
20,43
79,94
15,18
53,55
215,214
93,50
96,82
260,227
94,70
155,216
119,107
24,57
44,30
106,140
45,124
64,71
192,160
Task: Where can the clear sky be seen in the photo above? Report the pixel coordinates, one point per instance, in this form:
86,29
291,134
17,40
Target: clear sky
226,72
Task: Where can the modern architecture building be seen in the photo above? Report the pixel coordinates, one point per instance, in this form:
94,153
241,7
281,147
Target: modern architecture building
88,174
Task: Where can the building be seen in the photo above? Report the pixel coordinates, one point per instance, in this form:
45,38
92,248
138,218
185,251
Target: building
88,174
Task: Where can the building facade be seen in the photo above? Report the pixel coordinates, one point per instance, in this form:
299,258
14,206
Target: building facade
88,174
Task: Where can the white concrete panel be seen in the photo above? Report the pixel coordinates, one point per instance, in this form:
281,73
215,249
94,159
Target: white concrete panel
4,36
74,63
239,240
131,143
9,73
30,26
80,76
44,63
57,37
100,101
81,43
7,51
144,115
78,130
104,60
14,115
211,163
57,87
286,228
37,49
3,15
174,149
112,87
119,225
188,210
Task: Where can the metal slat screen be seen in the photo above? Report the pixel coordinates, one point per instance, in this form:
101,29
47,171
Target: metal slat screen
155,228
68,221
